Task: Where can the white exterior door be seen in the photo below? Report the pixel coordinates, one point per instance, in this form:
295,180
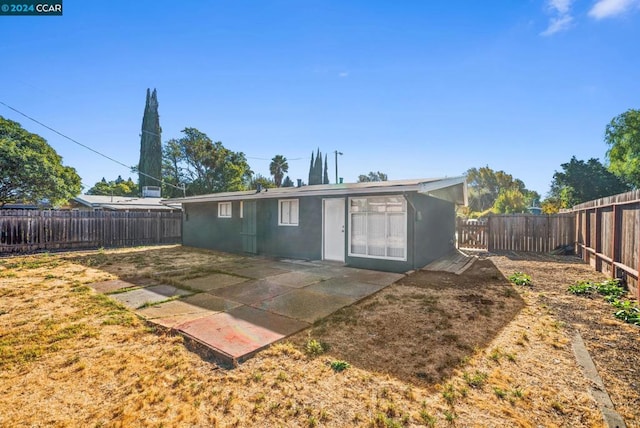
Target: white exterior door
333,229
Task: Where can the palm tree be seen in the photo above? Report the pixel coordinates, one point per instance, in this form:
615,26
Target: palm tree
278,168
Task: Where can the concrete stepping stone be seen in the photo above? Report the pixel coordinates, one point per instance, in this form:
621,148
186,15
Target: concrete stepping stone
210,302
305,305
251,292
157,293
107,287
211,282
347,287
170,309
240,332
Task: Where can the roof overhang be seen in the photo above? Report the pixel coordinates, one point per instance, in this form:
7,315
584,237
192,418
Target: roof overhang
449,189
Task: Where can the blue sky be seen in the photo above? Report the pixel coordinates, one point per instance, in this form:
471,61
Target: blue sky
413,89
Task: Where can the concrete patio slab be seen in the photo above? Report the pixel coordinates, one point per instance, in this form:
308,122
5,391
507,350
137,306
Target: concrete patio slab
378,278
174,320
211,282
157,293
231,317
297,279
240,332
258,271
347,287
305,305
210,302
106,287
251,292
170,309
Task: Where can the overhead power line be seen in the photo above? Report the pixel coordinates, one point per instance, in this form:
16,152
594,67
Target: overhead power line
130,168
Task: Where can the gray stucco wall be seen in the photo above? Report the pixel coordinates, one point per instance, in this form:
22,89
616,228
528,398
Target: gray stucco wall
429,234
303,241
202,228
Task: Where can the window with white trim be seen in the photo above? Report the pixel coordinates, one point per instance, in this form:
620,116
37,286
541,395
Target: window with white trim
378,227
224,209
288,212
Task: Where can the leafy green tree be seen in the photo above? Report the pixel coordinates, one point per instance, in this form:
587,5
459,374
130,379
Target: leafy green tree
278,168
372,176
287,182
510,201
581,181
623,137
485,185
150,165
203,166
30,169
118,187
264,182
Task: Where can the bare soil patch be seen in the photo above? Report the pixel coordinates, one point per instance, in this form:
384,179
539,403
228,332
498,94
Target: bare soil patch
424,326
614,346
432,350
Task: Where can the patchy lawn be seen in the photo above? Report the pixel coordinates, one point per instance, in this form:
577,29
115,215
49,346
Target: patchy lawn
433,349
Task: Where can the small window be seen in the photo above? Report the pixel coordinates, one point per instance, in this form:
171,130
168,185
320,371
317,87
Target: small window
241,209
288,212
224,209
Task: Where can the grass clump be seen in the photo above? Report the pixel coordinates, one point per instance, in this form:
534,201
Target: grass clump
314,347
475,380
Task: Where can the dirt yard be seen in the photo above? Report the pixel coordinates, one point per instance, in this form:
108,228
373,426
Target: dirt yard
434,349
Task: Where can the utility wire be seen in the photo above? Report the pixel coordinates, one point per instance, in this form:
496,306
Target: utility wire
130,168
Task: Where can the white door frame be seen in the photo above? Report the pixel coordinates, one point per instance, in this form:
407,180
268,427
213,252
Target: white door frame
335,234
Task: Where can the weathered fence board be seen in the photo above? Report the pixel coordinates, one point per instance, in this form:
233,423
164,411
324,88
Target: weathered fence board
608,236
518,232
31,230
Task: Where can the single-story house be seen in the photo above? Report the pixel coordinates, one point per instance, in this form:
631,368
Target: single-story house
120,203
390,225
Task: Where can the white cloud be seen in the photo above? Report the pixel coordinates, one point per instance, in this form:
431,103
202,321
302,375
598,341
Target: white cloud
560,6
608,8
344,74
562,19
558,24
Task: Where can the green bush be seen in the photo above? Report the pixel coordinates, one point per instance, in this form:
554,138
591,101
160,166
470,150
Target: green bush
520,278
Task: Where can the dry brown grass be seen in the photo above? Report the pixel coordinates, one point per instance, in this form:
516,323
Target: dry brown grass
69,357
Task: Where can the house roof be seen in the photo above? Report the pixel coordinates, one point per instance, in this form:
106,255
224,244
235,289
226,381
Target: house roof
451,189
122,203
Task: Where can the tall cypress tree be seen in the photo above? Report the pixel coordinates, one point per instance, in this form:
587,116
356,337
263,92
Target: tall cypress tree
326,171
311,178
317,168
150,165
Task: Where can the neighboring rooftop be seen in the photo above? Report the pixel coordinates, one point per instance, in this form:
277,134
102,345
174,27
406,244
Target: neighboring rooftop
124,203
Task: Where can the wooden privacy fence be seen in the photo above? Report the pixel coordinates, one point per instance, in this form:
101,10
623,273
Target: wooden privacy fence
518,232
608,235
31,230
